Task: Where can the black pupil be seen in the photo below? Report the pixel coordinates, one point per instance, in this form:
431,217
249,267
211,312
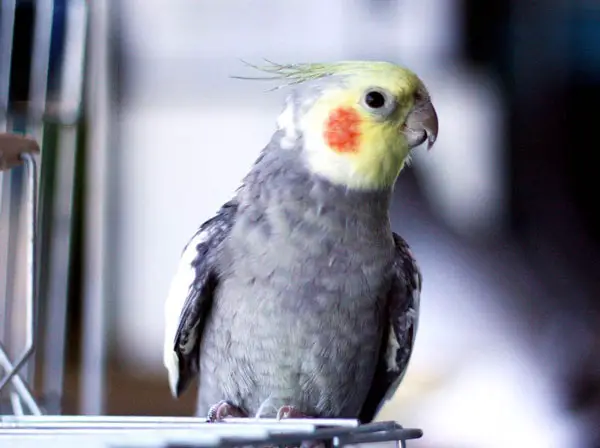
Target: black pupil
375,100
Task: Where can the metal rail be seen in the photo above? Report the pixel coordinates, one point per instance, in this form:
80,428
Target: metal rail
188,432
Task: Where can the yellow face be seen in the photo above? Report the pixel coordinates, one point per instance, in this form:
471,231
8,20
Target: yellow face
357,133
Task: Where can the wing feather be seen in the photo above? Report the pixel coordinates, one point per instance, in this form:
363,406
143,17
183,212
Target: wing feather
399,336
190,298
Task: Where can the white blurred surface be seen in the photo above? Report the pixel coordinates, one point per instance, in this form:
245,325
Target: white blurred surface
473,381
179,170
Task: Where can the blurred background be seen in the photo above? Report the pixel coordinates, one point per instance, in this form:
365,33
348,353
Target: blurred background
144,134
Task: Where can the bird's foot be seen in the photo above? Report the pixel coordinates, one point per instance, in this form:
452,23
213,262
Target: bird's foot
289,412
222,410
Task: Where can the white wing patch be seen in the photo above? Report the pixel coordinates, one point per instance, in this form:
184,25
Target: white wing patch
392,350
178,293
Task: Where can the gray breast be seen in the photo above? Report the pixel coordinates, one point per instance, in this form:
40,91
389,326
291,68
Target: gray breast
297,317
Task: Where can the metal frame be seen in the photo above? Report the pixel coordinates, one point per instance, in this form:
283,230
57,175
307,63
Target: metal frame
14,151
30,298
54,101
96,282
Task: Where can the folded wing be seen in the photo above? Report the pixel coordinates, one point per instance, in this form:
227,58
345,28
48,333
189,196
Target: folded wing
190,298
403,312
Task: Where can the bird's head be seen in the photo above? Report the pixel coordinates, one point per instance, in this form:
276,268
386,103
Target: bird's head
357,120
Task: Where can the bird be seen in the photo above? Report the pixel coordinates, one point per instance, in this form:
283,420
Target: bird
296,299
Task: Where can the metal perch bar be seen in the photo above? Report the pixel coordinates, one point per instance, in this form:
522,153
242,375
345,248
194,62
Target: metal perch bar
111,431
92,420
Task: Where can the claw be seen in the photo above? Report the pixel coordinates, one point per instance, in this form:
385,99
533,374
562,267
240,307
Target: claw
289,412
222,410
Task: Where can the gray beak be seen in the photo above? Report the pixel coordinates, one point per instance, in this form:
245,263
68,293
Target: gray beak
421,123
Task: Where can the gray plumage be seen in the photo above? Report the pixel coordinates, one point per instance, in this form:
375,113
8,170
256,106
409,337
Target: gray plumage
302,295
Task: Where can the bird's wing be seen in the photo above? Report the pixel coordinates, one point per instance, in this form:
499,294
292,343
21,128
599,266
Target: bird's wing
190,298
403,312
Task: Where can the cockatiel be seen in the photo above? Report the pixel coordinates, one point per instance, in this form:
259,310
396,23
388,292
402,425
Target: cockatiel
296,299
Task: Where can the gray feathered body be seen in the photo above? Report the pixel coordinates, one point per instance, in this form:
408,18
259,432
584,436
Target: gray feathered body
296,293
298,315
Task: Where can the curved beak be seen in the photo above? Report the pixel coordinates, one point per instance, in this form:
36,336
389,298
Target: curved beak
422,123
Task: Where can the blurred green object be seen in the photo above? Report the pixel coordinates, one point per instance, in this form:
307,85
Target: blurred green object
61,221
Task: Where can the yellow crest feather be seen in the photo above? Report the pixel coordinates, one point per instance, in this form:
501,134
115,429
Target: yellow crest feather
292,74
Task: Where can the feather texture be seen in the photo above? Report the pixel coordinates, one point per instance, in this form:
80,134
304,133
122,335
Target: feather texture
190,298
403,312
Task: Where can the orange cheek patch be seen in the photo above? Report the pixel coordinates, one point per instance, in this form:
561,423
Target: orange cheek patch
342,131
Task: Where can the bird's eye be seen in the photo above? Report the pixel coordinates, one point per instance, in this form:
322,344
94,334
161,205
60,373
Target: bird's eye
379,102
374,99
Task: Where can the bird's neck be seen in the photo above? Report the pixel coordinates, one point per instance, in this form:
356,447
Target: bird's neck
280,179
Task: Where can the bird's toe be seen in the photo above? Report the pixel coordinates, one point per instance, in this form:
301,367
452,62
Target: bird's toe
224,409
289,412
